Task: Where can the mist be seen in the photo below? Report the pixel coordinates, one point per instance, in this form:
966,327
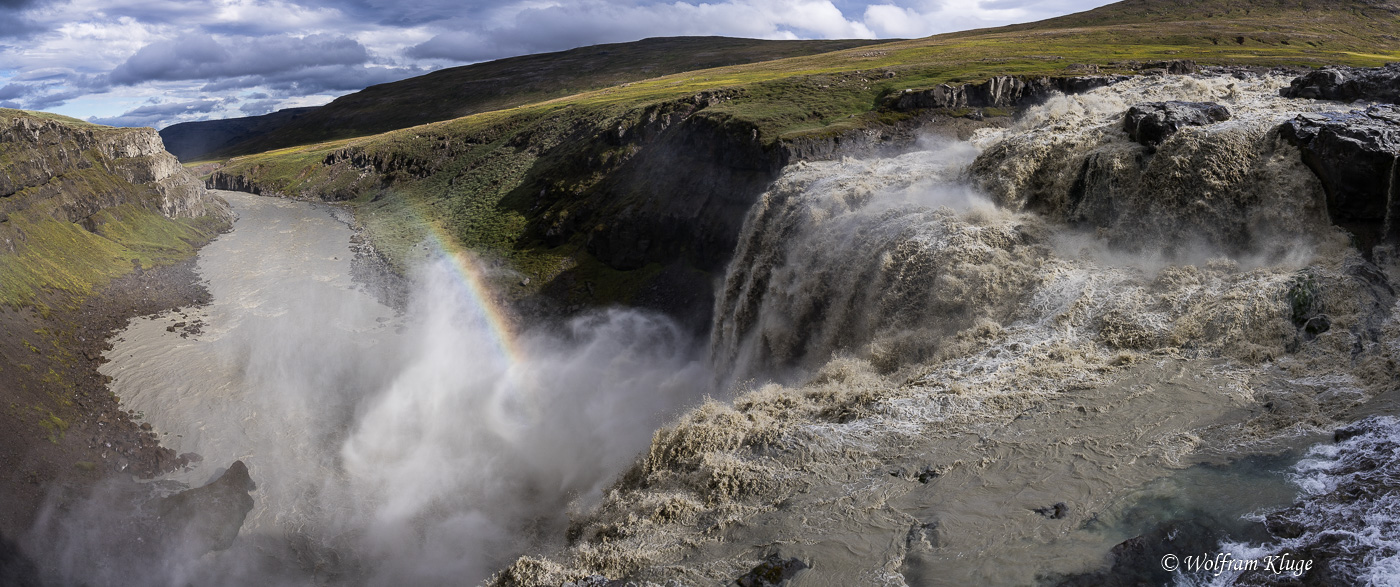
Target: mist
417,448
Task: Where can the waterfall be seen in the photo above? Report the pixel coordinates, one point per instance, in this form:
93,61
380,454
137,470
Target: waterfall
1015,332
887,259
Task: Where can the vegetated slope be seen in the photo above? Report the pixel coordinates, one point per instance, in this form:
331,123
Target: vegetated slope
81,206
191,140
504,83
1362,14
80,203
636,193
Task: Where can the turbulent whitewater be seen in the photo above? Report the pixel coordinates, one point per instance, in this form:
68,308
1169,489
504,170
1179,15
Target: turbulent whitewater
986,356
977,362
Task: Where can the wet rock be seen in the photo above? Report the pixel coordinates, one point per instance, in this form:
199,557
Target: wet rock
1138,561
773,572
1282,527
1378,84
1054,512
1340,534
1174,67
1150,124
1315,326
16,570
1355,156
209,517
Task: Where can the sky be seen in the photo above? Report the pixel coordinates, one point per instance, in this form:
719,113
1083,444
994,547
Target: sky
159,62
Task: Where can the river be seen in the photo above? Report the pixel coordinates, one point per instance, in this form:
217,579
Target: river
957,365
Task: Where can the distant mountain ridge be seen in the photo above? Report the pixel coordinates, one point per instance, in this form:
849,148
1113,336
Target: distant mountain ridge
191,140
494,85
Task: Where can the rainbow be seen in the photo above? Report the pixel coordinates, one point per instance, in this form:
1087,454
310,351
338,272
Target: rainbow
467,270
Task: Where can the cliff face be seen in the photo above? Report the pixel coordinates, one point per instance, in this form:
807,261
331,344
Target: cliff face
49,159
86,213
79,203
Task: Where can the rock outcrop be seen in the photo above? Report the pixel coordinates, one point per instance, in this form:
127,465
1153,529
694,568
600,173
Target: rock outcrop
997,92
1334,534
1151,123
234,183
1378,84
88,168
1356,155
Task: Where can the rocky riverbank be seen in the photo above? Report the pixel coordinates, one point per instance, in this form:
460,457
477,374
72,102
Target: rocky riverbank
99,225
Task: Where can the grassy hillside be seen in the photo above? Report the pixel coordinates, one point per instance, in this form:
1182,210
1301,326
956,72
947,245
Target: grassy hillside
191,141
505,83
73,220
549,185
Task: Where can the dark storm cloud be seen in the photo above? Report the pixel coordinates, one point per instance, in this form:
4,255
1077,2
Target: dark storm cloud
156,113
195,56
12,91
14,25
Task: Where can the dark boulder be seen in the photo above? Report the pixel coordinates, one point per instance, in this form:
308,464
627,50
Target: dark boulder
1377,84
1054,512
209,517
772,572
1150,124
1355,155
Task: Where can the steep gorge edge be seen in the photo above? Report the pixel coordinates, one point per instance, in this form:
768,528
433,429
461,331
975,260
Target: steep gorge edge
97,225
650,202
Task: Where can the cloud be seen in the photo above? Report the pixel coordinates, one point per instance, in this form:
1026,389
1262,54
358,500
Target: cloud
13,22
259,107
12,90
929,18
553,27
198,56
54,99
156,113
